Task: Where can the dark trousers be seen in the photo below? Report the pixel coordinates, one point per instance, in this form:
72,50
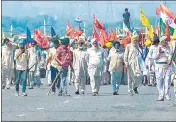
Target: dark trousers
21,74
54,72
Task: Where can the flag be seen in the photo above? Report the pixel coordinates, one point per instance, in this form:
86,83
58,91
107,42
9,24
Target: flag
112,35
102,39
3,35
97,24
75,34
53,33
69,29
119,30
94,34
157,11
41,39
151,32
28,36
157,30
167,32
144,20
105,35
146,33
167,16
125,28
174,35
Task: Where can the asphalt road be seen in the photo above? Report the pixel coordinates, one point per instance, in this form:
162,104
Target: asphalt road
37,106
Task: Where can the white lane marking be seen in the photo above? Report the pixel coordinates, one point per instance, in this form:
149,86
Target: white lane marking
77,97
39,108
21,115
66,101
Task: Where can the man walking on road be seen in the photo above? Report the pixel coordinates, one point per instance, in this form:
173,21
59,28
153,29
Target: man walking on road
131,60
95,66
80,67
7,63
21,57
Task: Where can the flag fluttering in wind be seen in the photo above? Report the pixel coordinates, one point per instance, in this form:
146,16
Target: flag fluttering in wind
3,35
125,28
157,31
28,36
69,29
157,11
53,33
102,39
167,16
174,35
146,33
97,24
151,32
144,20
167,32
75,34
95,34
112,35
119,30
41,39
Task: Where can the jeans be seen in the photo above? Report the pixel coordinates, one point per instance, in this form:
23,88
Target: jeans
21,74
54,72
63,80
116,80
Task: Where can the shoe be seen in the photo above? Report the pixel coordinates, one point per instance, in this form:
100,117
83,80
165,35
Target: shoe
115,93
82,91
77,92
160,99
24,94
3,87
60,93
131,93
167,97
31,87
17,94
94,94
7,88
53,93
136,91
149,84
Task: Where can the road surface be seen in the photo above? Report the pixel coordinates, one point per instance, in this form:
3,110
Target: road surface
37,106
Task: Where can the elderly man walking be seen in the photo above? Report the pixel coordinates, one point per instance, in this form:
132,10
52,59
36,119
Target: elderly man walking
163,69
80,67
21,57
33,62
131,59
116,66
7,63
95,59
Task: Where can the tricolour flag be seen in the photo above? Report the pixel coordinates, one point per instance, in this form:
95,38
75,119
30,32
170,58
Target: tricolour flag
125,28
144,20
167,16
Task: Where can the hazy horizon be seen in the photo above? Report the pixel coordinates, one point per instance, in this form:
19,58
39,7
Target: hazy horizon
108,11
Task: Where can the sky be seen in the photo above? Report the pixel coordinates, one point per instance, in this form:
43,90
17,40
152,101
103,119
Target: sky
107,11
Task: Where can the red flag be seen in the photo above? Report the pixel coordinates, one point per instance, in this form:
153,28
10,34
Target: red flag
69,29
41,39
157,30
167,32
157,11
112,35
102,39
97,24
94,34
75,34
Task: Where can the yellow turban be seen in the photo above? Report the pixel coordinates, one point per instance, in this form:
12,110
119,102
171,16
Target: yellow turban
108,44
147,42
134,37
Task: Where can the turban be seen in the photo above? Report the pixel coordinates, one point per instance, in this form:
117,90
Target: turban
64,40
115,42
72,42
108,44
94,41
134,37
51,45
33,42
147,42
21,43
163,38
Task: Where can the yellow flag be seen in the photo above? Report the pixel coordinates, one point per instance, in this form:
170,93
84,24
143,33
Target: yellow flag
151,32
174,35
3,35
144,20
146,33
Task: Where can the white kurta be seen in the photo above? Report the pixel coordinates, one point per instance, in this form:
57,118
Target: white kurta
95,67
80,68
132,62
